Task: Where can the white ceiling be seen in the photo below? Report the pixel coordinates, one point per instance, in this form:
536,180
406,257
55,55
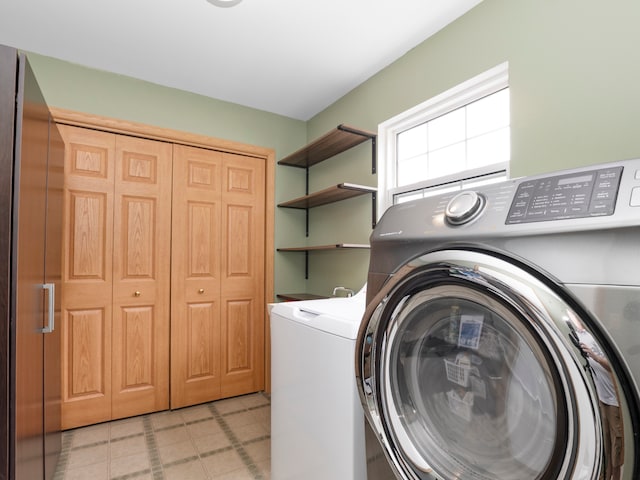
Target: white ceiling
290,57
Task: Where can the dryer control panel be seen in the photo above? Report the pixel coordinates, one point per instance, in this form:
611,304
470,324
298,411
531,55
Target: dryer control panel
605,196
575,195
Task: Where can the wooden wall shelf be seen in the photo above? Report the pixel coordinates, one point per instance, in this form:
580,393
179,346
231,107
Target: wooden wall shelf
333,246
338,140
339,192
294,297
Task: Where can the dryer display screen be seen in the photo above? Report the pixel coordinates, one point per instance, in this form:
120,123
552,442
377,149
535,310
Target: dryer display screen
587,194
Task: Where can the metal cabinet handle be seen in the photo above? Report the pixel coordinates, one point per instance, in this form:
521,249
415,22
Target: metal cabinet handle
201,290
51,307
137,293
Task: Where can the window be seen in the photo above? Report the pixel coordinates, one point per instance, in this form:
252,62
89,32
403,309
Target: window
459,139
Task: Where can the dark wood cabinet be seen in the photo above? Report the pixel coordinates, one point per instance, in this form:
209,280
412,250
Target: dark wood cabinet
30,231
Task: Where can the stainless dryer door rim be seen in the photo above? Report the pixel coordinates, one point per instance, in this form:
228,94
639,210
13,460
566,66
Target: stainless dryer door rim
468,367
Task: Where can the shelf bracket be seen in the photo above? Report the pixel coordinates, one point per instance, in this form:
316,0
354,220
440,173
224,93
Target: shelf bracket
374,155
306,181
374,209
306,265
306,210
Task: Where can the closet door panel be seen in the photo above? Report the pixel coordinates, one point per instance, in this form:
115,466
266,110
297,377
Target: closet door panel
141,276
87,378
195,284
242,274
87,276
201,333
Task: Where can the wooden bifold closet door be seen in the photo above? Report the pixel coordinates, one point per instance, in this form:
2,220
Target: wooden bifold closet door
116,267
217,324
164,276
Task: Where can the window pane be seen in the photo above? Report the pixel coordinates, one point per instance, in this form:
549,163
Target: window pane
412,170
431,148
407,197
486,180
412,142
432,192
488,113
447,161
488,149
447,129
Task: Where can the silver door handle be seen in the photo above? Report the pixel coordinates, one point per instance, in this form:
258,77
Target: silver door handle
51,303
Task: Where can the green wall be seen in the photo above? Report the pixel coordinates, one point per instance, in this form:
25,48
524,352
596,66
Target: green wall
574,79
575,100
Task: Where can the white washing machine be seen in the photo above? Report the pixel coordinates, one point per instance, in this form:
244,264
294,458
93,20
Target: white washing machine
317,422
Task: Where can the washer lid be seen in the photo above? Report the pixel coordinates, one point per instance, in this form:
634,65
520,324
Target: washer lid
338,316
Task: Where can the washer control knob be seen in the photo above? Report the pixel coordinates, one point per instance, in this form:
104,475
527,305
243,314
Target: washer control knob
464,207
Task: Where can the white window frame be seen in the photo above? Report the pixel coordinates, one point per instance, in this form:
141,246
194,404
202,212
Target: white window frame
486,83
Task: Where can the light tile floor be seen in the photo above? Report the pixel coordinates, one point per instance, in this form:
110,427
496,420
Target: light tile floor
223,440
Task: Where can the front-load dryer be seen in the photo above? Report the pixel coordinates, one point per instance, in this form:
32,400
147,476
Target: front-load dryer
501,337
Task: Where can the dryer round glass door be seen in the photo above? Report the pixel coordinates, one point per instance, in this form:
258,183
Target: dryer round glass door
468,370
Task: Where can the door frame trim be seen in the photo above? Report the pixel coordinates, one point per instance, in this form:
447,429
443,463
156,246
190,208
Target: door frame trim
126,127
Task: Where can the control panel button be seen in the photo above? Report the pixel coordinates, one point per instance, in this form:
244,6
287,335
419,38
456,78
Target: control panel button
635,197
464,207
